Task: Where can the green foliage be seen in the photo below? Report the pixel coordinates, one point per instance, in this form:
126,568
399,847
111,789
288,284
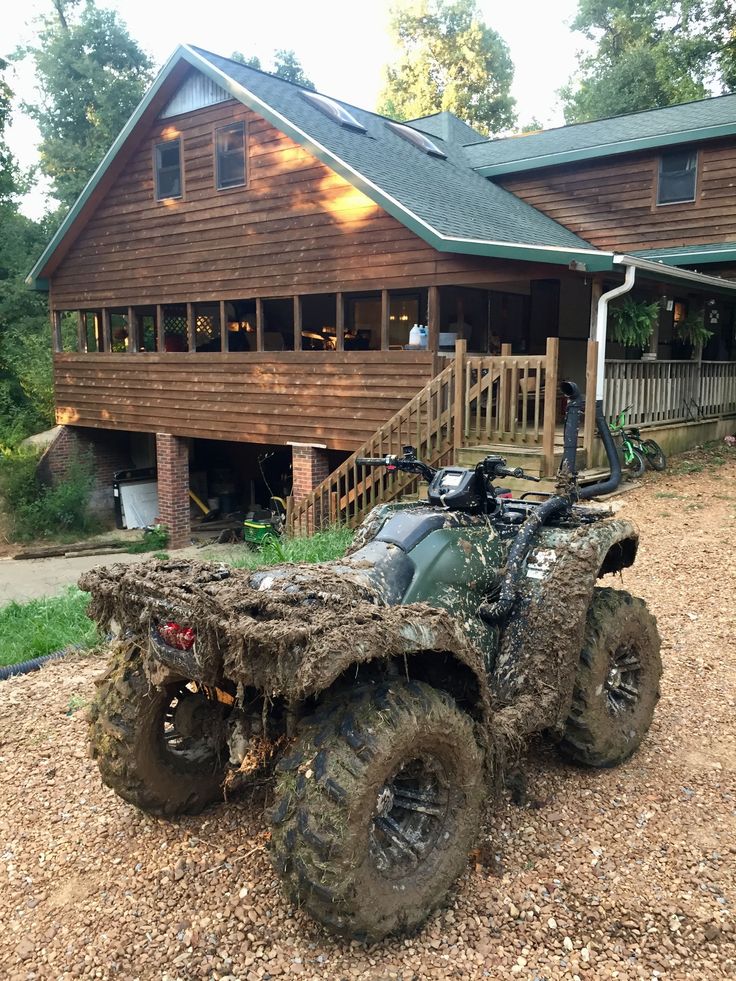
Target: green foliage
285,65
323,546
449,60
633,321
42,626
37,510
91,75
154,539
650,54
692,329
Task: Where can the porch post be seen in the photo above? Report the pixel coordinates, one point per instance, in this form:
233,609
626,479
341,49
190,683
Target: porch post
132,331
259,324
596,288
433,319
339,321
191,330
172,463
224,333
106,331
297,323
458,411
385,321
550,405
160,334
56,330
82,331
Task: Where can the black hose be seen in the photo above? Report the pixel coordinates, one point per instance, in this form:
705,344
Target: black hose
614,478
25,667
493,612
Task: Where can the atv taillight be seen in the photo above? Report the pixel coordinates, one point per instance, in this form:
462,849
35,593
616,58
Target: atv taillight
173,634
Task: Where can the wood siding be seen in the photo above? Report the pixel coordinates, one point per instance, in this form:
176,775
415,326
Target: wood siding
338,399
297,227
612,203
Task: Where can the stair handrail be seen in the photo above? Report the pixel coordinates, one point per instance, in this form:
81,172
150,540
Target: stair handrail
379,487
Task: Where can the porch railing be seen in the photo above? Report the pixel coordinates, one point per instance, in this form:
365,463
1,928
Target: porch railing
475,400
670,391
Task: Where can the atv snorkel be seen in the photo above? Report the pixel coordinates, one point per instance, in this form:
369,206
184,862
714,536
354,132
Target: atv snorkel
576,404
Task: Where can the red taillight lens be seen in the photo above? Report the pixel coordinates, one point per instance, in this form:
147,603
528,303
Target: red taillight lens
173,634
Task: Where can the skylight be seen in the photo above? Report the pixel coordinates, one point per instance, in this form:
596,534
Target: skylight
333,110
419,140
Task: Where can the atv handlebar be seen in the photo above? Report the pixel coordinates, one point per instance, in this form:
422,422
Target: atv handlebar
408,463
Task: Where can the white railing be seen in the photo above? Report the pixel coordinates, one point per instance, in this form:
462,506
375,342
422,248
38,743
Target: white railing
670,391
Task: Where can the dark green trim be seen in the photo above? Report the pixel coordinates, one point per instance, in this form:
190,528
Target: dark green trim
556,159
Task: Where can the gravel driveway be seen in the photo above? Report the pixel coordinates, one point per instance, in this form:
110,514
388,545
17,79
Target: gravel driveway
628,873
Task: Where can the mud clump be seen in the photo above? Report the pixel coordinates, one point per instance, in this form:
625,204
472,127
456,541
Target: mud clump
288,631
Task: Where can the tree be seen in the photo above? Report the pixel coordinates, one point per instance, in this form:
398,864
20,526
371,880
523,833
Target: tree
285,65
650,54
26,393
91,75
449,60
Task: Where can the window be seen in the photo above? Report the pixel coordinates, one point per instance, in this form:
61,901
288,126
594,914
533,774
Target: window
678,172
417,139
333,110
168,170
230,154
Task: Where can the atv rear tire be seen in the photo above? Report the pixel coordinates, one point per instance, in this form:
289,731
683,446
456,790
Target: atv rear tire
130,737
376,808
617,684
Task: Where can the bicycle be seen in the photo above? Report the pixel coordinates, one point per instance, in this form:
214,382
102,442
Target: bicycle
638,453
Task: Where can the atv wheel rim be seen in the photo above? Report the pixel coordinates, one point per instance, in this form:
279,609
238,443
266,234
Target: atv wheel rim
193,729
622,685
409,817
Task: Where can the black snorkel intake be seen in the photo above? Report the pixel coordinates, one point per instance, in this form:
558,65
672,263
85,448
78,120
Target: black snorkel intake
575,405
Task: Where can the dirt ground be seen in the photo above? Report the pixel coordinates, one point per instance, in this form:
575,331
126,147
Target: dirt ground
628,873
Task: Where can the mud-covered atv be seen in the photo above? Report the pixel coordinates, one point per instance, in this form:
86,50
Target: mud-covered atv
390,686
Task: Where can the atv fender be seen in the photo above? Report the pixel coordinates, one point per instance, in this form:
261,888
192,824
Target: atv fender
540,645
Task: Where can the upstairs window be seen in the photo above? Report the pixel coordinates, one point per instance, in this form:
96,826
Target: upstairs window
678,173
230,156
168,170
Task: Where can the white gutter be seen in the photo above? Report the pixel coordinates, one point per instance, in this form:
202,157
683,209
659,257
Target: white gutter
601,324
673,272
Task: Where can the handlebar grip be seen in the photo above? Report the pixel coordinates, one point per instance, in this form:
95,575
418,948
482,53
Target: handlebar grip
370,461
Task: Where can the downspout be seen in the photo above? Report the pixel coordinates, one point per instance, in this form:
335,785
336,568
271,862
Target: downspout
601,327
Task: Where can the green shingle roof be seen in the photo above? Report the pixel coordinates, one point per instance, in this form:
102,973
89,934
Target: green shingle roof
447,126
444,201
691,255
707,119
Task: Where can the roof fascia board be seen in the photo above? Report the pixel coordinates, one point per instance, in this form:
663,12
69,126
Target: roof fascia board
659,270
606,150
33,279
443,243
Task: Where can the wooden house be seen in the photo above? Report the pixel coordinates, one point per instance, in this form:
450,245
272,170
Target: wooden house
235,288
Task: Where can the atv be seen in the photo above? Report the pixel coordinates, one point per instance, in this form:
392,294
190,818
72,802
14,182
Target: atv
391,689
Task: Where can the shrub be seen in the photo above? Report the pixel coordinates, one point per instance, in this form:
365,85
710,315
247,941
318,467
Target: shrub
37,510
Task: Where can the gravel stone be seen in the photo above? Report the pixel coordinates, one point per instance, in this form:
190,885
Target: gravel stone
625,873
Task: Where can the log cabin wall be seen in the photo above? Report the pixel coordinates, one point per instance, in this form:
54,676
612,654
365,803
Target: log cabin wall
335,398
612,203
296,227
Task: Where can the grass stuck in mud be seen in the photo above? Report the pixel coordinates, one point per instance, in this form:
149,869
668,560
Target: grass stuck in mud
42,626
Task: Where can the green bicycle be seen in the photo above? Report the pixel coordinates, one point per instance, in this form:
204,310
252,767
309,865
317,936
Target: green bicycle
638,453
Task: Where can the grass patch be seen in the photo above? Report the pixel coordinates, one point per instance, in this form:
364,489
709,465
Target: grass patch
669,495
42,626
323,546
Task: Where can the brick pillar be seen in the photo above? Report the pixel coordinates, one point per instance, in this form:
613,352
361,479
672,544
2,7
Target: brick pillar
309,468
172,462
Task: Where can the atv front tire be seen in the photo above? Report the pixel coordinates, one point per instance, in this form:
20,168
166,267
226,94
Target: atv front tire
162,749
376,808
617,684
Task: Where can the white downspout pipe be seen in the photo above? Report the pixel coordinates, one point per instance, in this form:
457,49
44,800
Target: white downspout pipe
601,326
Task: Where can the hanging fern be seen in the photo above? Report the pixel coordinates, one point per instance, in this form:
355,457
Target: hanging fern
633,322
692,329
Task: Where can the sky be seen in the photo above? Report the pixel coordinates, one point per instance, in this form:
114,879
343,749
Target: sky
342,45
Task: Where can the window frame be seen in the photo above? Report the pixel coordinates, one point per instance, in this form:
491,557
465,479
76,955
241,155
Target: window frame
695,152
156,146
237,124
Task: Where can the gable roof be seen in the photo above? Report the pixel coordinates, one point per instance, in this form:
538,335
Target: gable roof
442,200
674,125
